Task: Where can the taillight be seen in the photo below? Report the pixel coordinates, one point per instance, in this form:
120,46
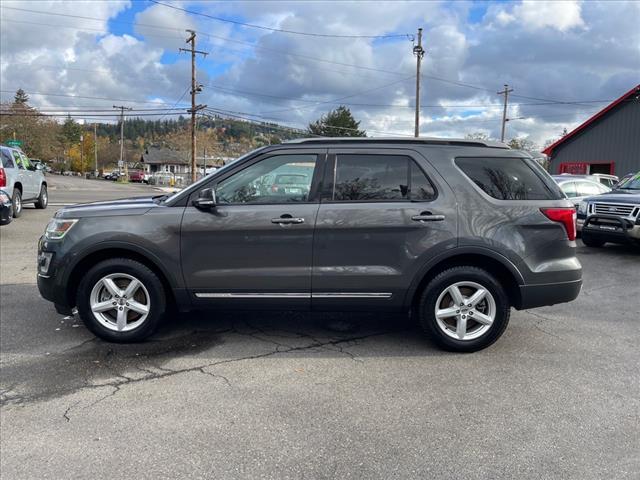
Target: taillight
3,178
566,216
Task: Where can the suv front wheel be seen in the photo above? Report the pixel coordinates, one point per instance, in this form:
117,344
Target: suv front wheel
121,300
464,309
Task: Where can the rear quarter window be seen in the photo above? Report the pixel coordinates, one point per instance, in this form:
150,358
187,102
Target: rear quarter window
510,178
7,161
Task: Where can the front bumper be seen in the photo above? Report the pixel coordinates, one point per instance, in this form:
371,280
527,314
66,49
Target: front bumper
541,295
611,228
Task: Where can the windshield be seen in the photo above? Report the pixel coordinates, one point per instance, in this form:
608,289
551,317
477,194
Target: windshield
176,194
631,183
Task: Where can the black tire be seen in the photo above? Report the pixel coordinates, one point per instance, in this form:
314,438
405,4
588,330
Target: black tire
43,198
16,200
442,282
133,268
592,242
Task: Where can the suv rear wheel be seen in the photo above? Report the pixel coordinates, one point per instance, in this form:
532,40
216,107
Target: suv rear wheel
16,200
43,198
121,300
464,309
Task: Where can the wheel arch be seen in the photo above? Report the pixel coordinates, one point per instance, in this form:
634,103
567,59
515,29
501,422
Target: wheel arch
496,264
18,185
105,252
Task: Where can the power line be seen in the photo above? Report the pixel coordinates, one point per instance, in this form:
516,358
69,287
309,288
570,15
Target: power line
258,47
280,30
87,97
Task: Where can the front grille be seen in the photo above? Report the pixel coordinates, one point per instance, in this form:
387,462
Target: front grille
618,209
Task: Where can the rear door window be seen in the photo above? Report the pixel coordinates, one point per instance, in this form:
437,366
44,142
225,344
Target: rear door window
367,178
510,178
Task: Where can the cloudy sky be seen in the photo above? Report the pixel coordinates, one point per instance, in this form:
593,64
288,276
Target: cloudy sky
80,55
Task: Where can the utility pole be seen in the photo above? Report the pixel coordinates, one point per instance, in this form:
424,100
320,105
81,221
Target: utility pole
122,162
195,89
418,51
95,147
82,153
506,93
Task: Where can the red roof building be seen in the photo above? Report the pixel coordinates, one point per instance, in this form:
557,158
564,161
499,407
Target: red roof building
608,142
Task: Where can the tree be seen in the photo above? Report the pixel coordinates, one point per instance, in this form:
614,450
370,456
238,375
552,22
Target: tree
71,131
337,123
522,144
20,97
477,136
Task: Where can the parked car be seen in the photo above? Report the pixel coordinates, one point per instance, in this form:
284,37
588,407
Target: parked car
578,188
113,176
456,231
6,208
136,176
612,217
23,182
607,180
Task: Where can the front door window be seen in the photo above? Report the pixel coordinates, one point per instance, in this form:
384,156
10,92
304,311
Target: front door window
274,180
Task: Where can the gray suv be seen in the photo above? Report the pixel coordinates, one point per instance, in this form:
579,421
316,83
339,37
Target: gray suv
456,232
22,181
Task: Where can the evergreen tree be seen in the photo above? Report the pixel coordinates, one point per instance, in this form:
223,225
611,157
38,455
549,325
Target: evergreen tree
71,131
20,97
337,123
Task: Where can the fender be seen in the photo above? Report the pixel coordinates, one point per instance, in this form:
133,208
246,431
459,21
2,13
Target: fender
457,251
172,279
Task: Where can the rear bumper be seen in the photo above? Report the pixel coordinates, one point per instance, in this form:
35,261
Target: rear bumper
532,296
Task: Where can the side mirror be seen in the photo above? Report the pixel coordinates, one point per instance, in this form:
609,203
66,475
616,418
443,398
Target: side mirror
206,198
39,166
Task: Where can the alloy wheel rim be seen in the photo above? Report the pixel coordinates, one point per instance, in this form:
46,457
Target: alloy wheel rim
120,302
465,311
45,199
17,204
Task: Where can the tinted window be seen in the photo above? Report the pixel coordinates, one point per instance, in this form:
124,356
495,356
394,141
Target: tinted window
379,178
277,179
420,187
7,161
510,178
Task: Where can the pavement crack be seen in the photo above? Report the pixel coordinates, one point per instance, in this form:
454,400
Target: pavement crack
68,410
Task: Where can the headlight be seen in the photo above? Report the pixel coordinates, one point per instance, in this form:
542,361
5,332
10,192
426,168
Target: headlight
58,228
4,198
582,208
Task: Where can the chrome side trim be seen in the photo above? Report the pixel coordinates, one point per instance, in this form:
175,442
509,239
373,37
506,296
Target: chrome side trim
352,295
296,295
253,295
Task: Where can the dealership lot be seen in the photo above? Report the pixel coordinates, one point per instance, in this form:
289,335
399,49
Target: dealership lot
284,395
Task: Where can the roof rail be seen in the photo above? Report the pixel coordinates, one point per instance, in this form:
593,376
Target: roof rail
457,142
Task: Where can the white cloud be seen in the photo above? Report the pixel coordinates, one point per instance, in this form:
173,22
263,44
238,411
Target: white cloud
559,14
548,50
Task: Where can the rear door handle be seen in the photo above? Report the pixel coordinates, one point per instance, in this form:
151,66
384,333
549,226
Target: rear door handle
287,220
427,217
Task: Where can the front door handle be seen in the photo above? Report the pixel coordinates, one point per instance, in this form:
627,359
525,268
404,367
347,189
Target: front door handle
427,217
287,219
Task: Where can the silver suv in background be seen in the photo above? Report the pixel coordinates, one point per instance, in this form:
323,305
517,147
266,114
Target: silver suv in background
21,180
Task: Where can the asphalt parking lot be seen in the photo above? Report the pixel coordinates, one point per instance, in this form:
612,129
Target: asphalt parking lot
284,395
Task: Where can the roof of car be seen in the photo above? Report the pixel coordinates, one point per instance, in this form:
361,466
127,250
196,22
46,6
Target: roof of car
459,142
569,178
